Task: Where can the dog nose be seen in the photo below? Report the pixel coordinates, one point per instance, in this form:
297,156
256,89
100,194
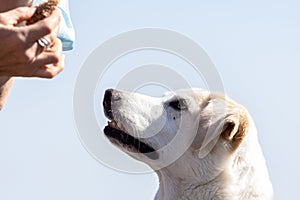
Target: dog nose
107,103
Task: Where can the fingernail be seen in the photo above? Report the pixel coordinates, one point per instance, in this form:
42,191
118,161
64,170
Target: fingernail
48,66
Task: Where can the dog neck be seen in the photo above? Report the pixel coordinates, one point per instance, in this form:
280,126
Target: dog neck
171,188
245,177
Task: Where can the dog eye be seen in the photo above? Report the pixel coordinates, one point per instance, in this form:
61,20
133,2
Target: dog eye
178,104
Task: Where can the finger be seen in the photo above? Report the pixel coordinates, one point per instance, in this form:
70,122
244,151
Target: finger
46,58
50,72
39,67
46,65
56,46
50,62
17,15
39,48
49,56
44,27
55,43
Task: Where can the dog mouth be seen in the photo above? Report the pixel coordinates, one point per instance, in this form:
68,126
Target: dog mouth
132,144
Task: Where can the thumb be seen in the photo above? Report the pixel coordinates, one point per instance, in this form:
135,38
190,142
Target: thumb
16,16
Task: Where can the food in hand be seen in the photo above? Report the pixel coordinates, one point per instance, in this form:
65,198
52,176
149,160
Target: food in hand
43,10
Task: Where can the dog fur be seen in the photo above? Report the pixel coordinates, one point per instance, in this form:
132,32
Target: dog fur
217,149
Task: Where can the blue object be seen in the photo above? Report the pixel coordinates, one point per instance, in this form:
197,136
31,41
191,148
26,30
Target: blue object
66,31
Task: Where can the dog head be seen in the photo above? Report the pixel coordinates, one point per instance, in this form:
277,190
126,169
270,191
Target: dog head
193,129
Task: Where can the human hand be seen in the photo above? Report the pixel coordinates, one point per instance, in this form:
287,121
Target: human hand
20,55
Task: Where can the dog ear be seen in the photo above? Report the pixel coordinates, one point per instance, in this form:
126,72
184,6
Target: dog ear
232,128
235,128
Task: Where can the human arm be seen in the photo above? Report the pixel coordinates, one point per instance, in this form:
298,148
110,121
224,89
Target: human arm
5,85
5,81
21,55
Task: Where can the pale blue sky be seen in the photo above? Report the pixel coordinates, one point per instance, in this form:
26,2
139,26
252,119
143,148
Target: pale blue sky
255,46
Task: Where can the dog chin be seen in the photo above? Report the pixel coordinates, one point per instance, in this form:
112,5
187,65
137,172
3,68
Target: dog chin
127,142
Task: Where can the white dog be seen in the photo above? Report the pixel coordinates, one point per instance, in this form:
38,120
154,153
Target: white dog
201,145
